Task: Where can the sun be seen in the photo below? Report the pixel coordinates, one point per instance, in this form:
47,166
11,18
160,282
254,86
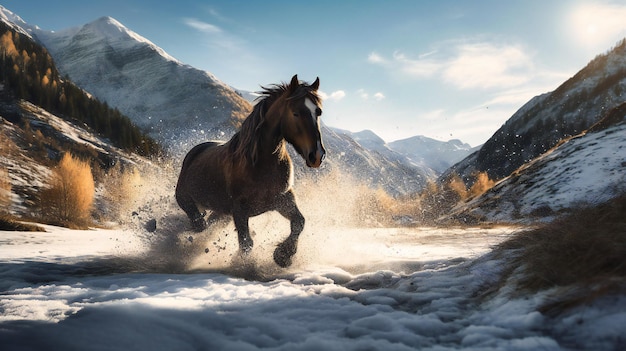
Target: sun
597,26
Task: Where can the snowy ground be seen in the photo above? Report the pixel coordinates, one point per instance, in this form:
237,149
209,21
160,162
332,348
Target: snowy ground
349,289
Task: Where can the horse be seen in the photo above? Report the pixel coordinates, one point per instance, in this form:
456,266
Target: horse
252,173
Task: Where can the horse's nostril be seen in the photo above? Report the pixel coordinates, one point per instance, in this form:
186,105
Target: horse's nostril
312,157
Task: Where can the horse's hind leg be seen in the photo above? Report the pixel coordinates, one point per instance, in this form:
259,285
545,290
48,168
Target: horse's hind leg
285,250
241,215
196,217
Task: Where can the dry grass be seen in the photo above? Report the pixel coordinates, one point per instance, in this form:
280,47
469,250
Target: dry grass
584,251
9,223
481,185
5,190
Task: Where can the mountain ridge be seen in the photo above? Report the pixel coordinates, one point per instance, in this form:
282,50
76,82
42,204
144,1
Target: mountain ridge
546,119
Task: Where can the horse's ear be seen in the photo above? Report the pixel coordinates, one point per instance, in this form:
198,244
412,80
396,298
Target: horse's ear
316,84
294,83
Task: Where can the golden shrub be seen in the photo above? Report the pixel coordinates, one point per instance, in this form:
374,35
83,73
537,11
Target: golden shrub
69,199
482,184
5,191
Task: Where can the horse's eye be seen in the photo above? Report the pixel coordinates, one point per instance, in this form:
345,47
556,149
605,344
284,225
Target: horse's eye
318,111
296,114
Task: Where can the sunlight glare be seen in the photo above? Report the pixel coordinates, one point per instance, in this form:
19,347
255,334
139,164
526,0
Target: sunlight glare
597,26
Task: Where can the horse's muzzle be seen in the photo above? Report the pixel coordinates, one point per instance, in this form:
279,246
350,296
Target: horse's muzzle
314,158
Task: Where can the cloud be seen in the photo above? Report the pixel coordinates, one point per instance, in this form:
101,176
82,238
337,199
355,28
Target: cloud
203,27
418,68
221,42
334,96
481,65
378,96
376,58
362,94
485,65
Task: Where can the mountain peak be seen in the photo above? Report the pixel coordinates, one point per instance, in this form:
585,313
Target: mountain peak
108,22
14,21
114,32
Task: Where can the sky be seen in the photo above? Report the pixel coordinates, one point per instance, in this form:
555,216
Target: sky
442,69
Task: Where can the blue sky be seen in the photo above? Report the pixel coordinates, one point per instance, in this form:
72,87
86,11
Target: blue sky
443,69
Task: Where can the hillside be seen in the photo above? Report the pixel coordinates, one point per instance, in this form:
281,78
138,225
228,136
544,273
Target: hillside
548,119
584,170
30,149
28,72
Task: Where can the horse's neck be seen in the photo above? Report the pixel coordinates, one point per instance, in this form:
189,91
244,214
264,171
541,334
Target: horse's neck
272,143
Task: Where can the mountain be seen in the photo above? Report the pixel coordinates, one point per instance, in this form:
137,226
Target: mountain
365,156
160,94
548,119
15,22
587,169
181,105
436,154
43,117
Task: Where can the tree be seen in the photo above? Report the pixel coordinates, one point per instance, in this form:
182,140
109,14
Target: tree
70,198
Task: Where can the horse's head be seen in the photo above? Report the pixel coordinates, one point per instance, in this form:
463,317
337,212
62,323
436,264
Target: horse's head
300,123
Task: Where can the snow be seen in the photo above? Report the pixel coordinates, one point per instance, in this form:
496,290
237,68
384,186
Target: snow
14,21
115,31
349,289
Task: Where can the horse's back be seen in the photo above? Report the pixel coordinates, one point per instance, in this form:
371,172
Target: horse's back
197,150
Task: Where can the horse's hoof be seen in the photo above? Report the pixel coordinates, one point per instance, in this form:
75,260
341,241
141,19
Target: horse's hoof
282,258
246,246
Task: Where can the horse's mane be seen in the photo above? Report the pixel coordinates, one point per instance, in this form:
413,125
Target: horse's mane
244,144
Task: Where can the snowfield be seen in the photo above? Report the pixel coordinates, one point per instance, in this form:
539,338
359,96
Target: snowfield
349,289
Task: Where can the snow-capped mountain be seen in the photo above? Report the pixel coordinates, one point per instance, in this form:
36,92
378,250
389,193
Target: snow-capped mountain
432,155
549,118
159,93
16,22
436,154
373,143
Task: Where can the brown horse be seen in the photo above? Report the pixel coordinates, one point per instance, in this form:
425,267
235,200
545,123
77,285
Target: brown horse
252,172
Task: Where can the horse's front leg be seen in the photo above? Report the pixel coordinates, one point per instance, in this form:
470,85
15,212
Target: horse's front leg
241,215
285,250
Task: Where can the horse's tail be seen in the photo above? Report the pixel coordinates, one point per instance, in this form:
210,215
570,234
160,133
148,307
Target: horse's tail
196,150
